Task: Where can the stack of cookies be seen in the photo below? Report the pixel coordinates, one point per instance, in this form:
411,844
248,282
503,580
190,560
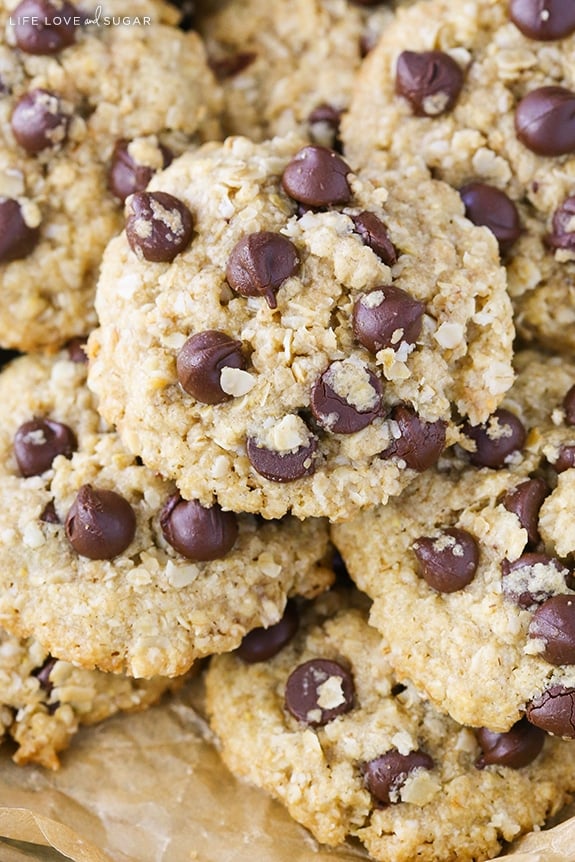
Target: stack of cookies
293,285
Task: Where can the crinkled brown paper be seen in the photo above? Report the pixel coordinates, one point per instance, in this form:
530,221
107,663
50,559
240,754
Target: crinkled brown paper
149,788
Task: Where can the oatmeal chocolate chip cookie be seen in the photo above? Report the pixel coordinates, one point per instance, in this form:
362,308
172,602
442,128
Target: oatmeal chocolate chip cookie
471,570
321,722
104,563
44,701
88,112
282,334
483,93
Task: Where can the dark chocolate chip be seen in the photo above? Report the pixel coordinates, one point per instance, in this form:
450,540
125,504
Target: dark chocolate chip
384,776
447,562
563,226
431,81
346,398
374,234
544,20
319,691
327,114
260,263
565,458
387,317
199,533
488,206
43,672
200,362
158,225
39,441
76,348
49,514
262,644
569,400
228,67
282,466
100,524
554,623
38,121
126,176
525,501
17,239
418,443
545,121
515,748
521,587
554,711
495,440
318,177
45,27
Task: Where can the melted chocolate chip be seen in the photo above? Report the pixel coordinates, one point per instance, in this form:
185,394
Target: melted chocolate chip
262,644
17,239
319,691
490,207
384,776
387,317
317,177
565,458
374,234
544,20
431,81
569,403
228,67
525,501
554,711
100,524
199,533
333,394
39,441
545,121
200,362
49,514
158,225
447,562
554,623
563,226
44,27
515,748
126,176
39,121
282,466
260,263
495,440
419,443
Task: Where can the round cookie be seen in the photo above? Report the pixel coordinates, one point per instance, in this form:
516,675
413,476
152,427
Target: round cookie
88,112
470,571
324,726
103,563
483,94
44,701
339,322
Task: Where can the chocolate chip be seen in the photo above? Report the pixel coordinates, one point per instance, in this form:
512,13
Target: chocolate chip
39,121
545,121
260,263
76,348
554,623
496,440
418,443
374,235
430,80
39,441
569,402
384,776
262,644
49,514
515,748
565,458
158,225
544,20
45,27
554,711
563,226
126,175
319,691
17,239
318,177
43,672
387,317
522,583
327,114
525,501
490,207
199,533
282,466
346,398
200,362
447,562
100,524
228,67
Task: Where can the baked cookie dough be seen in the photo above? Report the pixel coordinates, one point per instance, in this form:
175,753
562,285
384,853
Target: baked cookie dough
43,701
483,93
281,333
102,561
325,727
87,114
470,571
